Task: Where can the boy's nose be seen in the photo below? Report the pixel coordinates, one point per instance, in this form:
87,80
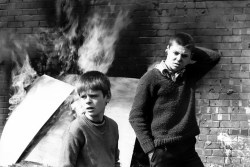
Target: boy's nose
178,58
88,99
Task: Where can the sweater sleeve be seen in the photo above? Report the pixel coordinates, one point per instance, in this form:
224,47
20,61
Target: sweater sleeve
117,151
71,148
140,113
205,59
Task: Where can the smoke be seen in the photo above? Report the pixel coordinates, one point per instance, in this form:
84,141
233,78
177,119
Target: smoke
98,49
14,51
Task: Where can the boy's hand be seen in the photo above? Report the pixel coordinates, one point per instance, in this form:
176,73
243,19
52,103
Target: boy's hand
150,154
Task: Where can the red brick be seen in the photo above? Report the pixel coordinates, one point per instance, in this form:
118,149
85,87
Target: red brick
216,131
245,53
167,5
241,31
218,152
245,103
3,1
246,89
217,117
231,39
219,102
242,60
24,30
212,138
7,18
153,40
164,32
208,38
236,74
205,130
29,11
213,145
245,67
203,116
229,124
14,12
239,117
206,81
202,102
31,24
226,96
244,132
231,53
209,123
234,131
209,95
213,32
202,137
147,33
245,81
15,24
199,144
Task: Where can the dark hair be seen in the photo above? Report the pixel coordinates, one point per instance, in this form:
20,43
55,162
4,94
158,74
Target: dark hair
94,80
183,39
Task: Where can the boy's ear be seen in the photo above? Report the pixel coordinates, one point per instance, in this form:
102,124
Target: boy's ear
192,61
108,97
167,49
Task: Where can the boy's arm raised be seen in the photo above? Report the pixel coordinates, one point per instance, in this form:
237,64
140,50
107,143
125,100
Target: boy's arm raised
204,60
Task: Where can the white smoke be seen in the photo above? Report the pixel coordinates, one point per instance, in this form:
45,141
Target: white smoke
98,49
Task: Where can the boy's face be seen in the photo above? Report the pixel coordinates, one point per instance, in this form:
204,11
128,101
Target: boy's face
178,57
94,104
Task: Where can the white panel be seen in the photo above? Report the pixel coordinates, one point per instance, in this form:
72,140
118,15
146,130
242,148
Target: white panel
40,103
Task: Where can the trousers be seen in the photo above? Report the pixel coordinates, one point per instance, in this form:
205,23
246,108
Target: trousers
180,154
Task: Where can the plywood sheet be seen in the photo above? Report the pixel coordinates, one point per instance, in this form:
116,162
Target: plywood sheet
42,100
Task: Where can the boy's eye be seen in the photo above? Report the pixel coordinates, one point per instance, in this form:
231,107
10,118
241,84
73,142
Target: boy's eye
93,96
176,53
83,96
184,55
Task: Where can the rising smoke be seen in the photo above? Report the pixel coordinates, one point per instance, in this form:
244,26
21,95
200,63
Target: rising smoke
71,48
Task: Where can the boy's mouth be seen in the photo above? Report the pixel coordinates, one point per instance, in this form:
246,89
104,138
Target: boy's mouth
90,108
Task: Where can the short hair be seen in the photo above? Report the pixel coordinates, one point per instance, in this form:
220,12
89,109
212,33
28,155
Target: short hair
94,80
183,39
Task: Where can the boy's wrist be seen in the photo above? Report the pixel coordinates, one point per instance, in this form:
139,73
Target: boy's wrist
150,154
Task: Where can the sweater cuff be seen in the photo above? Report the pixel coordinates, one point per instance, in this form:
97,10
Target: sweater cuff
147,147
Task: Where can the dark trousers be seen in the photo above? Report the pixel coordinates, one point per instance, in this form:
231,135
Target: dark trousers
181,154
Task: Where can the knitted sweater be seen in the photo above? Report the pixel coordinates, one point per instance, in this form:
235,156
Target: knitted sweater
91,145
163,110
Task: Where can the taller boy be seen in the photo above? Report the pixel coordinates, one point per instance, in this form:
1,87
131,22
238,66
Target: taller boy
163,113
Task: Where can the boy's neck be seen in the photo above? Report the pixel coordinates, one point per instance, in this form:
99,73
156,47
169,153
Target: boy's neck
95,119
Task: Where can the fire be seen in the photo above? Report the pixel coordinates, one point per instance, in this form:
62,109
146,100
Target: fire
61,53
97,51
14,51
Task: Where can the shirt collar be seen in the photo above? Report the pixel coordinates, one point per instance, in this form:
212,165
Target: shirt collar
162,67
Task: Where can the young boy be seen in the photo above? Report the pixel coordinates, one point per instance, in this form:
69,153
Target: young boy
163,113
92,138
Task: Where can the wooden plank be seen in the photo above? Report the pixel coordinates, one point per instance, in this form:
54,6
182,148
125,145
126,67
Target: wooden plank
41,101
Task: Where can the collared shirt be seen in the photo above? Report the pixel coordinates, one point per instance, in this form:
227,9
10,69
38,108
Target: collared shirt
162,67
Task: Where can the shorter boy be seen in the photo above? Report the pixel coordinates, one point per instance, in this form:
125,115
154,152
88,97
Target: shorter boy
92,138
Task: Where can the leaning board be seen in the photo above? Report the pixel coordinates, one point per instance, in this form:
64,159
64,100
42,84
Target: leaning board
40,103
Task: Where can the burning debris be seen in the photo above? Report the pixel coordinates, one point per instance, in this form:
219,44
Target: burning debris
64,50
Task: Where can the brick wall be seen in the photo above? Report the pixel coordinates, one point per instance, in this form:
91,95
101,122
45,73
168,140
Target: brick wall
223,96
